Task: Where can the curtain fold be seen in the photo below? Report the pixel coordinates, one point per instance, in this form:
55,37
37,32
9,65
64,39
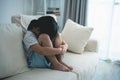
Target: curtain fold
75,10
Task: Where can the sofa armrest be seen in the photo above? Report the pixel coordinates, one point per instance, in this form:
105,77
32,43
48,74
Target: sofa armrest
92,45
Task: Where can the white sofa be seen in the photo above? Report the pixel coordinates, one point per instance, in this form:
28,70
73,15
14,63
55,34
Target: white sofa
13,65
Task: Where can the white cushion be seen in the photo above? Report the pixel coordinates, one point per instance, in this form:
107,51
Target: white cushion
12,59
92,45
24,20
76,36
45,74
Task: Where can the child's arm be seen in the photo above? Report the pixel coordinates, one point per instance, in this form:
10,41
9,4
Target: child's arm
45,46
60,43
47,51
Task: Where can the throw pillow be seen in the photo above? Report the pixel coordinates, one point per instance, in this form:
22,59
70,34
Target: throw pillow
76,36
12,59
26,19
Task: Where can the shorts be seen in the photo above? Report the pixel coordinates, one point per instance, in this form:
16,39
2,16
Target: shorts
38,61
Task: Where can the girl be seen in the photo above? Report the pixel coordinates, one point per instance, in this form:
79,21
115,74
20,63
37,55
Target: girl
44,45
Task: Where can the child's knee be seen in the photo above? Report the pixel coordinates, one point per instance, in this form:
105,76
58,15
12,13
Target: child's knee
43,36
45,40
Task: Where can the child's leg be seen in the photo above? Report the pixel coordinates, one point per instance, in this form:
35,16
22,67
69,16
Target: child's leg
57,43
44,39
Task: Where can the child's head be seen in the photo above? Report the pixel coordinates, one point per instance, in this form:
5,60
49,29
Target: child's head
33,24
34,27
48,25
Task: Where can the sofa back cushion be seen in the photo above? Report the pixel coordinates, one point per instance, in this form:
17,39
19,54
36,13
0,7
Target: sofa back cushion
12,59
24,20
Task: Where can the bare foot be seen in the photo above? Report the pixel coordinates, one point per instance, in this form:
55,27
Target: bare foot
60,67
66,65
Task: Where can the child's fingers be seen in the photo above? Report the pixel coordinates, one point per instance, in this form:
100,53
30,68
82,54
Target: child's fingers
60,50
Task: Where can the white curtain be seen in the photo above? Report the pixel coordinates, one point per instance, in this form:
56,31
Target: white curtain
115,32
100,16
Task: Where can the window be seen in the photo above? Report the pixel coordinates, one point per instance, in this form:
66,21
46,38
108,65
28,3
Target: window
104,16
115,32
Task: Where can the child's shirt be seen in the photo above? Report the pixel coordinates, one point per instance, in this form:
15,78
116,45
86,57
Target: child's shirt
29,40
34,59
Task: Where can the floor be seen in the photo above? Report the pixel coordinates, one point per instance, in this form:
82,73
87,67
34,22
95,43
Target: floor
107,71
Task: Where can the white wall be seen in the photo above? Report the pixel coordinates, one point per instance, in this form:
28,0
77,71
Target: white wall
8,8
13,7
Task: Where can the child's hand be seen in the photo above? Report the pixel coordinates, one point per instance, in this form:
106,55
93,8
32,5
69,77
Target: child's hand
61,51
64,49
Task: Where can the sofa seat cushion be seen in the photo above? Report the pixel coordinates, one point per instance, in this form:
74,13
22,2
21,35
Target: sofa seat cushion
83,64
44,74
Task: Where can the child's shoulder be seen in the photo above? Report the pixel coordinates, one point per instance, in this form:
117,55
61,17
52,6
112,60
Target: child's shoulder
29,34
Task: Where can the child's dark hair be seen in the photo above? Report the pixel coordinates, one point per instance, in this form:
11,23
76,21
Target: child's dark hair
34,23
49,26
